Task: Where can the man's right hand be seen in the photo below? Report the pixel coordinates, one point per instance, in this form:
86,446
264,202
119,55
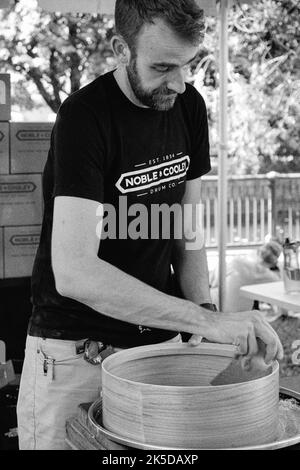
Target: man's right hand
246,330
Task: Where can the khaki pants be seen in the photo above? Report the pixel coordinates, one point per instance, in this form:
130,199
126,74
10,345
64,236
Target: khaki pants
47,398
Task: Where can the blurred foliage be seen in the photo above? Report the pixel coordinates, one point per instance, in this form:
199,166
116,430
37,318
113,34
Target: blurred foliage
61,53
264,86
58,53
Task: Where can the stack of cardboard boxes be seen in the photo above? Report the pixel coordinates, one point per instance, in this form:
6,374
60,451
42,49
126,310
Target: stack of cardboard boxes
23,153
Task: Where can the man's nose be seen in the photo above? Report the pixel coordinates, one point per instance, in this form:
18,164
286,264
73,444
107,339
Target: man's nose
176,82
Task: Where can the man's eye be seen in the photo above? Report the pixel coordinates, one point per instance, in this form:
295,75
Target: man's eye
162,68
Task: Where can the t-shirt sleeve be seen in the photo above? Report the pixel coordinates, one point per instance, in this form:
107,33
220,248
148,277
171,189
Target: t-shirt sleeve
78,147
200,157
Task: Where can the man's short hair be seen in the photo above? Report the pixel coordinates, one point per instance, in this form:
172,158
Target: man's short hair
184,17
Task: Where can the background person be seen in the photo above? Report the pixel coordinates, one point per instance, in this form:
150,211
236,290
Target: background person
259,267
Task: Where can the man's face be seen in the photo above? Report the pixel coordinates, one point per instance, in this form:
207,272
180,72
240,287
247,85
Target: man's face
157,71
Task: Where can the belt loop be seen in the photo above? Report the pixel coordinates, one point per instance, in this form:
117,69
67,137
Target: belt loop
80,345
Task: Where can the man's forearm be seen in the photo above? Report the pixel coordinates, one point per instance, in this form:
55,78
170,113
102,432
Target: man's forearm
191,271
110,291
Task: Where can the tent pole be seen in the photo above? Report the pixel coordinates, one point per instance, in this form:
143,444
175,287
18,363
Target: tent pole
223,150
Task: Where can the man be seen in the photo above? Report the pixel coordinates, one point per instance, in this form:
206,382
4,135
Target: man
136,137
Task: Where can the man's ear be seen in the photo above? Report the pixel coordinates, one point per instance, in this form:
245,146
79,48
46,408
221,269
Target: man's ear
120,49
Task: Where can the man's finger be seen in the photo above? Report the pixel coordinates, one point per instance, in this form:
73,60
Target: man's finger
269,337
252,351
242,343
280,352
195,340
253,346
271,351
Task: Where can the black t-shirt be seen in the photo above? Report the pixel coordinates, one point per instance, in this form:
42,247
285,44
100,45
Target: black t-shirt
105,148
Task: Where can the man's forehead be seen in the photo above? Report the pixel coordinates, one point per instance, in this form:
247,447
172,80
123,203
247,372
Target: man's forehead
159,43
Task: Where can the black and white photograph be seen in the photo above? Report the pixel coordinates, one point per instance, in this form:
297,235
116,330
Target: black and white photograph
149,228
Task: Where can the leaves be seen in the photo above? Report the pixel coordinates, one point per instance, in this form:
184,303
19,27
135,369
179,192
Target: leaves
264,86
57,54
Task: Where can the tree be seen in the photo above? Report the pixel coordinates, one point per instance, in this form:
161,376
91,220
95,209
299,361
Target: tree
264,74
270,53
58,53
61,53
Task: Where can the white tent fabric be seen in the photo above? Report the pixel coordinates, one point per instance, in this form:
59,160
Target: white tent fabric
79,6
210,7
107,6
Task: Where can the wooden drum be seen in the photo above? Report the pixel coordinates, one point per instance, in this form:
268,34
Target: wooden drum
162,395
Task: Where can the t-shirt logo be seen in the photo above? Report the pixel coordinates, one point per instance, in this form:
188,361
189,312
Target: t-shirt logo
153,176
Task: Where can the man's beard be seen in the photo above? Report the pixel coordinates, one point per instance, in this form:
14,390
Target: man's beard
160,99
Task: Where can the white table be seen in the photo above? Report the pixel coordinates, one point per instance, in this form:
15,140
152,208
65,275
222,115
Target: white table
273,293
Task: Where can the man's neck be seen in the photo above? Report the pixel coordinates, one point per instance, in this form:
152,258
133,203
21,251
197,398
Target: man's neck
121,78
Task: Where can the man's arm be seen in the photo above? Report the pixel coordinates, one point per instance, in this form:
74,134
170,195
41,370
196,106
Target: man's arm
189,259
82,276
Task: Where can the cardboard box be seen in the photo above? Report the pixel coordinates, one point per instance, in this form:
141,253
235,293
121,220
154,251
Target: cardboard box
4,148
2,352
20,246
1,253
5,97
20,200
29,146
7,373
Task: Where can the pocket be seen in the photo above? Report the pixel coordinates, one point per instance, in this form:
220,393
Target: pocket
60,368
57,350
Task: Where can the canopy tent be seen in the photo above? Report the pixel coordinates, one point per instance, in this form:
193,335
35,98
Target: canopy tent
218,8
107,6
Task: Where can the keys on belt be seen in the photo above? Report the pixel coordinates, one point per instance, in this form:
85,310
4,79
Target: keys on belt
93,351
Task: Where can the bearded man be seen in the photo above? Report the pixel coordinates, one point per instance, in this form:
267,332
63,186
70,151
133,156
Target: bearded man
136,137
